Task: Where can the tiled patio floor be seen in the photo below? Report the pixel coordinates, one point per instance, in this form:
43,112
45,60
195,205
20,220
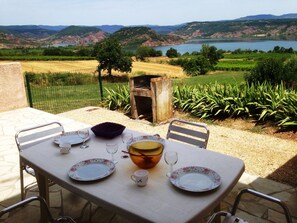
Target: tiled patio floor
11,121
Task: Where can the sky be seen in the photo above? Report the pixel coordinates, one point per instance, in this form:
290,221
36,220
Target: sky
134,12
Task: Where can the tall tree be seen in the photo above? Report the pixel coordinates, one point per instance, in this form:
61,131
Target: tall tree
211,53
111,56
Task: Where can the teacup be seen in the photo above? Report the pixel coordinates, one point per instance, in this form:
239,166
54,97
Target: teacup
65,147
140,177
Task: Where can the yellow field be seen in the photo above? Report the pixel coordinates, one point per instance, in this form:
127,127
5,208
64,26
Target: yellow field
90,66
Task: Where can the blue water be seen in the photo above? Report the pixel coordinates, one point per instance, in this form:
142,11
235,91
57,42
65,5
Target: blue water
264,45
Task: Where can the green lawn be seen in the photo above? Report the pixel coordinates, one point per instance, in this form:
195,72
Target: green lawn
222,77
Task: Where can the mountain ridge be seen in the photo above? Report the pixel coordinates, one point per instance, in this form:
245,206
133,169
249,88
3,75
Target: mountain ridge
255,26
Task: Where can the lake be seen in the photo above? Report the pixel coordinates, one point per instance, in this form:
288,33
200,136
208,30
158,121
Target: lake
264,45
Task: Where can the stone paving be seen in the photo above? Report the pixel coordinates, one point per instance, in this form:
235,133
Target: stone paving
253,210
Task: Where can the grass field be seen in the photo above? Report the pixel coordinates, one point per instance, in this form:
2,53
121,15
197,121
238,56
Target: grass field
90,66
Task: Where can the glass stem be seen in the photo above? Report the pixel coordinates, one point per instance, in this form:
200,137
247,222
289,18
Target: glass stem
171,168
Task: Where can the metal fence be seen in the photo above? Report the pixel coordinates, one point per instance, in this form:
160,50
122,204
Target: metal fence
61,98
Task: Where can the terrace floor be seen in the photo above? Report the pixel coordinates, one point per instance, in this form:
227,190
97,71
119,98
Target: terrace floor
82,211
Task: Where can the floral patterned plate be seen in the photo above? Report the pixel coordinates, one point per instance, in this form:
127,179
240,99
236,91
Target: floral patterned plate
92,169
195,179
70,137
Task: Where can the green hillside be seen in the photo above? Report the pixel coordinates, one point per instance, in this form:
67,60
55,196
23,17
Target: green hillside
136,36
77,31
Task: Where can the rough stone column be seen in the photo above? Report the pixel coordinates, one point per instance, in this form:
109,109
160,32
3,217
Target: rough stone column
12,87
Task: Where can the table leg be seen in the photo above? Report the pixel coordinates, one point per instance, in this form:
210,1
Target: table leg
43,192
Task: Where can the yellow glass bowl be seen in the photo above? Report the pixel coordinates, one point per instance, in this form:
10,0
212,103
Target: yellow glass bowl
146,151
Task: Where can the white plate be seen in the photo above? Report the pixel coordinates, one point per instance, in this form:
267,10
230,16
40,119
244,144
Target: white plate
69,137
92,169
195,179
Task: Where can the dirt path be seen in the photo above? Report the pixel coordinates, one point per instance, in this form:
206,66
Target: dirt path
264,155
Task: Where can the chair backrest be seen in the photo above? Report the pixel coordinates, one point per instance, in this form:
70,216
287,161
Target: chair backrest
231,217
43,206
37,134
189,132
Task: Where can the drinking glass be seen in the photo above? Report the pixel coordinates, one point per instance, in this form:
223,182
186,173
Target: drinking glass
112,148
171,159
84,135
127,137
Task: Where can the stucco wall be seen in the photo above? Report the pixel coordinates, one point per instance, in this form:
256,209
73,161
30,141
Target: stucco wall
12,88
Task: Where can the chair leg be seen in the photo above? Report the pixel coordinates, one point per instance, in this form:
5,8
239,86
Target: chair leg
218,209
62,202
22,181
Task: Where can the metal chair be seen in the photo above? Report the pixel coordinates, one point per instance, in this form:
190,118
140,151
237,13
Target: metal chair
32,136
43,207
232,218
189,132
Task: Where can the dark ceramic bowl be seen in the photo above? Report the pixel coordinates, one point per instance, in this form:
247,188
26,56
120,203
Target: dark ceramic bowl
108,130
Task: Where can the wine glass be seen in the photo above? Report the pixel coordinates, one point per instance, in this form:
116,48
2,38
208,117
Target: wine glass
112,148
84,135
127,137
171,159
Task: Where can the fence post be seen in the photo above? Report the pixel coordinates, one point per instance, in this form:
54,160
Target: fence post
29,91
100,82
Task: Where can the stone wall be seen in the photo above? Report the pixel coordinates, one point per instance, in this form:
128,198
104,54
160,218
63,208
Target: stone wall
12,88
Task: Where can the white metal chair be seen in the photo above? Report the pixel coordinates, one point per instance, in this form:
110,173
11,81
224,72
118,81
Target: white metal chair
32,136
232,218
43,207
189,132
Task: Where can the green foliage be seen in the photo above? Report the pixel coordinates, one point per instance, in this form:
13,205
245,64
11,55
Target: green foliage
196,66
268,70
290,72
262,102
145,51
278,49
211,53
172,53
118,98
51,53
76,31
57,51
60,79
111,56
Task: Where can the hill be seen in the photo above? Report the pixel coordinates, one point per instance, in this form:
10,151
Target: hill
285,29
269,16
76,35
27,32
136,36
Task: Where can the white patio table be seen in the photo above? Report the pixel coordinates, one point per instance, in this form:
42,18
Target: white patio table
158,201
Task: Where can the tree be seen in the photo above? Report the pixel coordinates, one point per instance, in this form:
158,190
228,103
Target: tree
196,66
145,51
171,53
212,54
111,56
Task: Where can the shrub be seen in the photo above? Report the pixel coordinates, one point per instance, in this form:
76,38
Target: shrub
196,66
171,53
268,70
290,72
